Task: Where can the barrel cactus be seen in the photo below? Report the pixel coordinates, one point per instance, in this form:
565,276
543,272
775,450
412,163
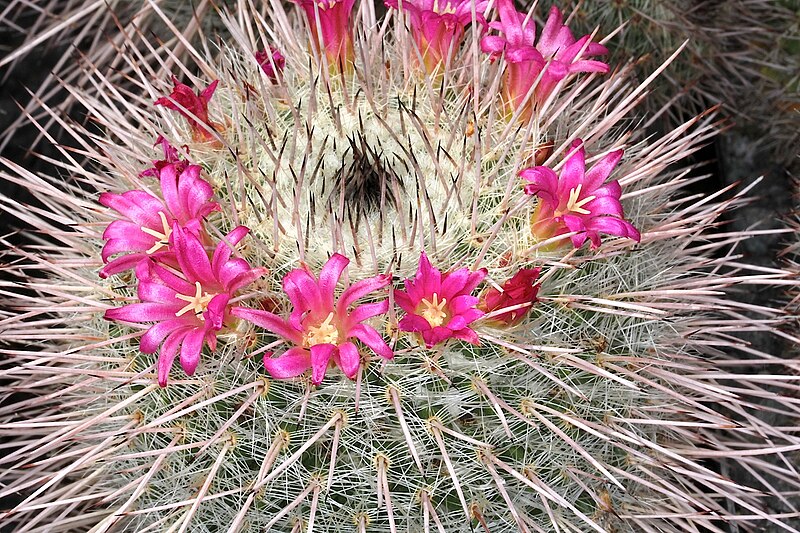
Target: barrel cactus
417,273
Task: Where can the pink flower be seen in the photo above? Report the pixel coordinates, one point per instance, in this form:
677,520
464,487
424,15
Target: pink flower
557,54
438,28
440,306
192,106
171,157
147,220
578,200
333,29
271,62
188,309
519,293
321,328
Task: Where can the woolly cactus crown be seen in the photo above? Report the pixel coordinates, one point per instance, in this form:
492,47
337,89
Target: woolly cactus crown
414,187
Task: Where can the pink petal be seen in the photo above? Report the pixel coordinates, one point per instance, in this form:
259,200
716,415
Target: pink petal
366,311
292,363
589,66
454,283
167,355
215,311
613,226
156,334
270,322
493,44
190,350
158,272
462,303
121,264
225,247
548,41
404,301
143,312
231,271
136,241
542,182
572,173
602,170
359,289
611,189
349,359
474,279
246,278
190,189
195,194
372,339
169,188
320,357
467,335
428,279
208,92
138,206
329,278
192,256
149,291
302,289
436,335
604,205
456,323
510,19
413,323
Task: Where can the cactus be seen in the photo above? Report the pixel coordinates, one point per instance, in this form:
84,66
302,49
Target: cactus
602,391
70,32
741,55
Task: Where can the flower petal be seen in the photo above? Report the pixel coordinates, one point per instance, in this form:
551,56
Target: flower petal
292,363
190,350
361,288
349,359
367,311
601,170
329,277
157,333
321,355
167,354
370,337
141,312
192,256
270,322
413,323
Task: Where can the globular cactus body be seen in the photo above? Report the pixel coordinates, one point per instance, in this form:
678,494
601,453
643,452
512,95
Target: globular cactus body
593,408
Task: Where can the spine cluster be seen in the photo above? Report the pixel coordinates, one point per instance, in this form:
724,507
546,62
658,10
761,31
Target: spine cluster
423,273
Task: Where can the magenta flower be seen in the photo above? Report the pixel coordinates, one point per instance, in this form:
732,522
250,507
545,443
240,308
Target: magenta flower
271,62
194,107
555,56
518,293
321,328
578,200
188,309
171,157
333,29
438,28
147,220
440,306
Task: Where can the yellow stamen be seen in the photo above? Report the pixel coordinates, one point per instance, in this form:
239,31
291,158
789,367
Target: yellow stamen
433,311
576,206
449,9
325,333
197,303
162,238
